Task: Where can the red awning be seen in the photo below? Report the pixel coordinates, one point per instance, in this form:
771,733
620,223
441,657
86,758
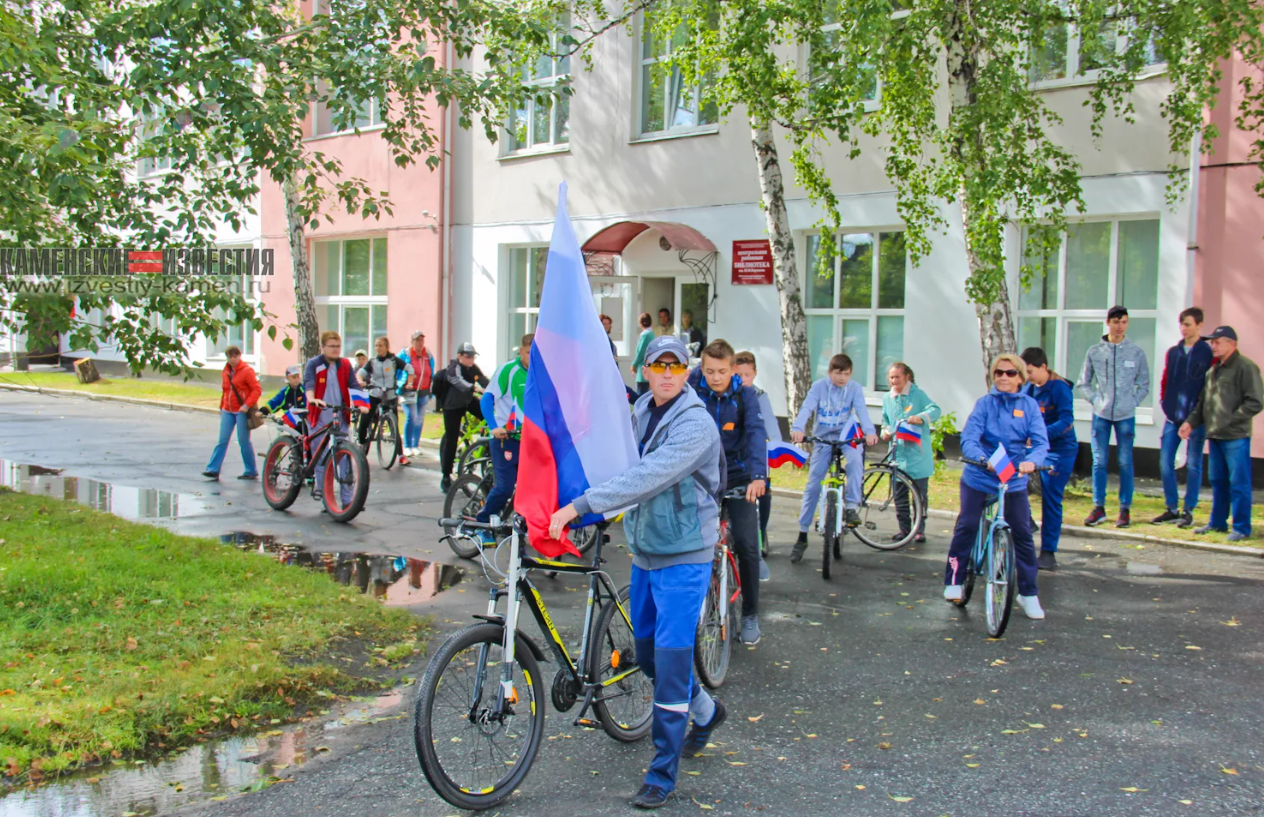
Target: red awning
615,238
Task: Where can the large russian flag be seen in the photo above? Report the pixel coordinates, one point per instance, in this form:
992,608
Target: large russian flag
576,431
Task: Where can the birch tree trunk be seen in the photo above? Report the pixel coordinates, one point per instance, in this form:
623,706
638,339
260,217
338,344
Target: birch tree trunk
794,333
304,300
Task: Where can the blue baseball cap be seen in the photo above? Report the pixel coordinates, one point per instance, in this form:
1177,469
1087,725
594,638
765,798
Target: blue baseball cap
667,344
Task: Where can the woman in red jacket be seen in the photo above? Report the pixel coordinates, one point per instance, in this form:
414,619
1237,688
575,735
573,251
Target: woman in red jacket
241,393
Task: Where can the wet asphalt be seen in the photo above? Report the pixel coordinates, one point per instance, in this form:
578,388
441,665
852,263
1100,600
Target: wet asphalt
1140,693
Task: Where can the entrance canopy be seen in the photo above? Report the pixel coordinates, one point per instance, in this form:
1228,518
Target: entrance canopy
615,238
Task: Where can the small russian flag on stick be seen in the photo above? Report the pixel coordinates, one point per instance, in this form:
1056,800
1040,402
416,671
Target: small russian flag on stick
781,453
1001,464
359,397
290,419
908,433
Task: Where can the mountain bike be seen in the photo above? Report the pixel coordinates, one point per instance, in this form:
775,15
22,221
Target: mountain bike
721,618
480,707
993,557
293,458
386,437
475,458
830,519
466,498
887,494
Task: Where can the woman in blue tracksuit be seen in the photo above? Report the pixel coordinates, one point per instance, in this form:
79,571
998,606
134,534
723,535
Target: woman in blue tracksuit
1056,399
1007,418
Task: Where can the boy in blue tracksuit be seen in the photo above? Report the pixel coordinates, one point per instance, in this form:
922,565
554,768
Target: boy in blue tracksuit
835,402
291,394
737,414
672,528
1056,399
1184,373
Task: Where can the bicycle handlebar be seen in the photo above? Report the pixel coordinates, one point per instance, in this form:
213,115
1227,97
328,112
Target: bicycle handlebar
987,466
834,443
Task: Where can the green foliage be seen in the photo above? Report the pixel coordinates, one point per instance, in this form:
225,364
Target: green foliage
946,425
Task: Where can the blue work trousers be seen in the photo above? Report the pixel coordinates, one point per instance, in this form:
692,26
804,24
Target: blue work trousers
818,468
1052,490
1231,484
1170,441
505,468
1017,514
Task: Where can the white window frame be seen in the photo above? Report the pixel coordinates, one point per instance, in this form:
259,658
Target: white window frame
531,313
338,304
869,104
373,117
560,70
1072,64
1064,317
875,387
146,167
638,109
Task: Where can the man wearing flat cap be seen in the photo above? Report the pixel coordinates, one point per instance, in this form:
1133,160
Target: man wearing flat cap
1232,396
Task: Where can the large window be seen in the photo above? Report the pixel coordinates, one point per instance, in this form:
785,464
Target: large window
327,121
151,127
526,282
1070,52
1096,265
856,304
543,122
668,104
350,285
820,61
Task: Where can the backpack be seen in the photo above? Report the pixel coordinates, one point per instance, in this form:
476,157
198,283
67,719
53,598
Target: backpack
439,387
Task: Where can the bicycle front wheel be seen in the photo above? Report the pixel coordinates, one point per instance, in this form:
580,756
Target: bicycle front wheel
283,472
829,523
1001,581
625,702
346,481
713,640
473,753
476,458
887,494
389,445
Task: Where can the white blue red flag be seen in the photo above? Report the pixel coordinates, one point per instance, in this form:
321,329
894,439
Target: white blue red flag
576,431
908,433
1002,464
291,419
359,397
781,453
852,433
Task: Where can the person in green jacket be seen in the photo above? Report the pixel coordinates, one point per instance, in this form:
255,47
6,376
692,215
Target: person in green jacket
642,343
907,403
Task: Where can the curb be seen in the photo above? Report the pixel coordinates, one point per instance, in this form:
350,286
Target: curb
107,398
1081,532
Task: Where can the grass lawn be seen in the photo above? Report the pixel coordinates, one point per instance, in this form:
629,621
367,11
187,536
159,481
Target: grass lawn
119,639
1078,502
144,388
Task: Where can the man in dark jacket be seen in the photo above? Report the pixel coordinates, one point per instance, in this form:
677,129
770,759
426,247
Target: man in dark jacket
1184,371
736,412
1232,396
465,383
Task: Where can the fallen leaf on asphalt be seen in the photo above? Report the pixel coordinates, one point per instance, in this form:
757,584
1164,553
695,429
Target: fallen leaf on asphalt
1228,771
757,718
972,765
932,717
1125,681
900,799
781,758
1056,706
695,774
886,746
1186,802
860,788
736,763
812,735
980,701
1233,622
702,805
1192,647
1133,789
877,703
1000,662
1035,725
1012,731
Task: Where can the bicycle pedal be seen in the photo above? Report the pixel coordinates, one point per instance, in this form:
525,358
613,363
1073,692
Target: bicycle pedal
588,723
871,526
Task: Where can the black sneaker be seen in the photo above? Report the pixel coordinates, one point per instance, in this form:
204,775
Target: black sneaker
1168,515
698,736
1046,561
852,518
445,484
211,474
650,797
1125,519
1187,520
800,545
248,476
899,537
1097,517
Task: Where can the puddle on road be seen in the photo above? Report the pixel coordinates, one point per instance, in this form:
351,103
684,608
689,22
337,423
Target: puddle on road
1143,569
394,580
120,500
213,770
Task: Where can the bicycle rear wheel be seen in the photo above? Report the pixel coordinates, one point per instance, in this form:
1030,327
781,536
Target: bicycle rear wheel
346,481
967,582
1001,581
884,489
283,472
473,756
465,498
476,458
625,703
389,445
829,525
713,640
584,538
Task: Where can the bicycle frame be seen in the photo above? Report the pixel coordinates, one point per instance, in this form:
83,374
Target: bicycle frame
835,483
983,540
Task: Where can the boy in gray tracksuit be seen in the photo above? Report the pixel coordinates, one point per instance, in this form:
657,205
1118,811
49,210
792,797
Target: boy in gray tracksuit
1115,379
672,527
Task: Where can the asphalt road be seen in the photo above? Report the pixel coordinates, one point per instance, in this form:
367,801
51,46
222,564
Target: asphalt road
1140,691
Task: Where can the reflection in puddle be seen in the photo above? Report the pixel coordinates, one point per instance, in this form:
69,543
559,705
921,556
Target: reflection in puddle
395,580
219,769
1143,569
120,500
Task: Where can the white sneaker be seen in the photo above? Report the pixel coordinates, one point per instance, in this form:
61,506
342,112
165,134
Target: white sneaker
411,452
954,592
1031,606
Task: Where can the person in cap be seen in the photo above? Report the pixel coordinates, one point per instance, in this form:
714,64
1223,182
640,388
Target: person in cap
463,384
672,527
1232,396
291,394
1115,379
415,391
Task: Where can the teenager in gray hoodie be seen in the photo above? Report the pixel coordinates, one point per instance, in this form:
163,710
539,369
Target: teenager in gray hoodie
672,526
1115,379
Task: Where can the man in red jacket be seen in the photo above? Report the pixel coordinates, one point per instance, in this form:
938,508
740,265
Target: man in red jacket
241,393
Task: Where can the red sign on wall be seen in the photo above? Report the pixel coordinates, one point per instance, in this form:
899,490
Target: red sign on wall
752,262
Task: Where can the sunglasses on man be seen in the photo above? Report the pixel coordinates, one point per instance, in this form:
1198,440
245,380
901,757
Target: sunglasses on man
659,367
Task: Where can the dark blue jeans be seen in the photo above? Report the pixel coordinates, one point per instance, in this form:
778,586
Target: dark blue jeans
1052,489
1231,484
505,469
1171,440
1125,433
1017,514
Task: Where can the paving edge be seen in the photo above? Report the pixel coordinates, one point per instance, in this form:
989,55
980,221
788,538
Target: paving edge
1093,533
1074,530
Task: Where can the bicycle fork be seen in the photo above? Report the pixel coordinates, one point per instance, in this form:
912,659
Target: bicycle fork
839,505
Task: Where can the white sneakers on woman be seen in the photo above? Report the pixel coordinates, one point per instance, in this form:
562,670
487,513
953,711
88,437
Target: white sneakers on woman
1031,606
954,592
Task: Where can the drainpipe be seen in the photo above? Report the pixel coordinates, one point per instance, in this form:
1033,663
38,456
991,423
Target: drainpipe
445,224
1191,250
